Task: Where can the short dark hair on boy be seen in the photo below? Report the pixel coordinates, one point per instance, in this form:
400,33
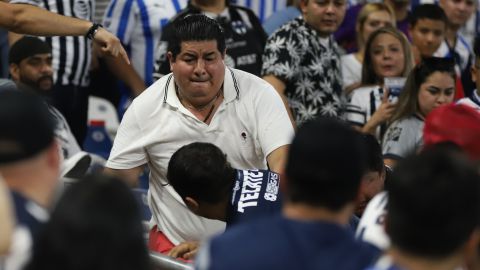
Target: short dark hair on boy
427,11
325,164
201,171
195,27
433,203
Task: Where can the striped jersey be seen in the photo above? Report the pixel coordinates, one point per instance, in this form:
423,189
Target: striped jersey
262,8
472,101
71,56
138,24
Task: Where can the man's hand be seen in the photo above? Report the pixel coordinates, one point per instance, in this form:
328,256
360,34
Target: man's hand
110,44
185,250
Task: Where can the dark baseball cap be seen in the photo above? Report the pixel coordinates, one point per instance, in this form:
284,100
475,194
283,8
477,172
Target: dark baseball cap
27,47
26,126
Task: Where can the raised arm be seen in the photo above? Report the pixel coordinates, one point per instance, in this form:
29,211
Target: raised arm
27,19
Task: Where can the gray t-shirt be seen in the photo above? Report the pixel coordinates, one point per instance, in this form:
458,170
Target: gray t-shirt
403,137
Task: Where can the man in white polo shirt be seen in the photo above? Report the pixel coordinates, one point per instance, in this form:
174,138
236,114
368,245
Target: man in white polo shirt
201,100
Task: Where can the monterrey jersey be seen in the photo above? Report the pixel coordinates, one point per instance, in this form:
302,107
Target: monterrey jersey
254,195
472,101
71,56
372,224
262,8
138,24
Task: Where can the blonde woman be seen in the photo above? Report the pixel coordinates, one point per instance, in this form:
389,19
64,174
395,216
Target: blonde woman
370,18
387,54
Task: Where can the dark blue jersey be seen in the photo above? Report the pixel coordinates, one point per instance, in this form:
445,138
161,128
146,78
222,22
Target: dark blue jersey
255,194
28,213
283,243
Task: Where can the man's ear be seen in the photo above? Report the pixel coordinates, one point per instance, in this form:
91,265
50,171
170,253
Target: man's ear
192,204
15,71
170,58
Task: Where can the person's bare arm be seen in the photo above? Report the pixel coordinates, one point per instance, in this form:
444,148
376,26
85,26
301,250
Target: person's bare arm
280,86
27,19
129,175
277,159
127,74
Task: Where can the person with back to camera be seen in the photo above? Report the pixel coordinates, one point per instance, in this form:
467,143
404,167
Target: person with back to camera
387,54
321,186
29,165
96,225
426,231
429,85
371,17
201,100
211,188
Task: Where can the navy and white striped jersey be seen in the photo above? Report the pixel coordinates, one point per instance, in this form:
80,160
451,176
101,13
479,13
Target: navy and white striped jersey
138,24
262,8
71,55
255,194
472,101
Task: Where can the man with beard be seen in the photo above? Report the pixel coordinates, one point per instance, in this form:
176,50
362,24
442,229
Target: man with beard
30,61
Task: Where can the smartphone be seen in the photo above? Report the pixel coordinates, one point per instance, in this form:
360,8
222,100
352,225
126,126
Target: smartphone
394,86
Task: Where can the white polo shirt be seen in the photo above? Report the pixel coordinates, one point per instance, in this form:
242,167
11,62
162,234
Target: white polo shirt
250,123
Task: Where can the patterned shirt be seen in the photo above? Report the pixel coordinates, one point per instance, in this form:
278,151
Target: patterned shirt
309,69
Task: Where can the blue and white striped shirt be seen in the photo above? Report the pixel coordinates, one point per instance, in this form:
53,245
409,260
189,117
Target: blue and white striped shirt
138,24
262,8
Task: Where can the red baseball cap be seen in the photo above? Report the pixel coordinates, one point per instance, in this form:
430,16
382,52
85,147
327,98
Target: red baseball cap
459,124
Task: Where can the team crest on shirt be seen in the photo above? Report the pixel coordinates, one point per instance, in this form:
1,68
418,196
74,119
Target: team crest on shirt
82,9
239,27
272,187
394,134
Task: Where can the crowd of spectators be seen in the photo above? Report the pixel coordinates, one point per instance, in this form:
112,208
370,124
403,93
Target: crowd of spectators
303,134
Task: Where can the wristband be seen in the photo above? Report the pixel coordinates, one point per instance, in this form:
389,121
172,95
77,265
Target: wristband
93,30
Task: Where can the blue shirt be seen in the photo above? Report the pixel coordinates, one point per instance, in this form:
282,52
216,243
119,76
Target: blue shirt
254,195
28,213
282,243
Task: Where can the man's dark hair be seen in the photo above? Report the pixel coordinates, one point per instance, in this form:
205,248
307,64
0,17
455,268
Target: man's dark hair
96,225
374,153
433,204
427,11
201,171
195,27
325,165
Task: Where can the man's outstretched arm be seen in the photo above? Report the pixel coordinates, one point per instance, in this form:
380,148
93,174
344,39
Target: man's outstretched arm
27,19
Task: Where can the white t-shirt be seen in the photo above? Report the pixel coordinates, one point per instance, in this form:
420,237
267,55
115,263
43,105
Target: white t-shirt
250,123
351,70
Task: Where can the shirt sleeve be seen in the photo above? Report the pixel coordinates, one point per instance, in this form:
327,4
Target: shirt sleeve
277,57
355,113
399,141
128,150
274,126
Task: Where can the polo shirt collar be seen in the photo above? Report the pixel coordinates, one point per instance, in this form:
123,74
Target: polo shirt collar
230,89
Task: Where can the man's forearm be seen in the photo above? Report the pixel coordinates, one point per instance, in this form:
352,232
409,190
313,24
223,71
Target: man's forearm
27,19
